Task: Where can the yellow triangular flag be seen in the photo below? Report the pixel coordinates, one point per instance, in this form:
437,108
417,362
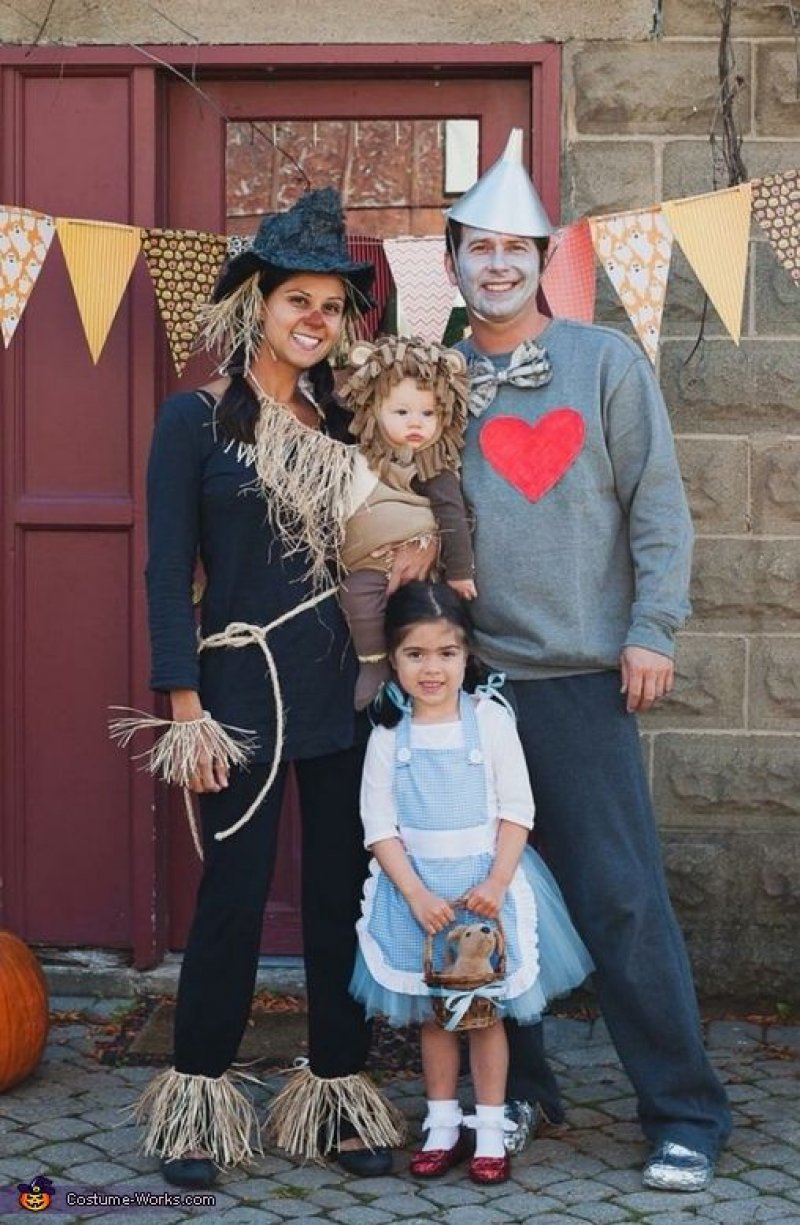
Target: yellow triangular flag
635,249
713,231
25,238
184,266
100,256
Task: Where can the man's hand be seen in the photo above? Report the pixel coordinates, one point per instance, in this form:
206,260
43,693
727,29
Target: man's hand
412,561
646,677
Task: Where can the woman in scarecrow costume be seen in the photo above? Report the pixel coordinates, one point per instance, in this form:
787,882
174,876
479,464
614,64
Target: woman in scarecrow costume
235,472
409,403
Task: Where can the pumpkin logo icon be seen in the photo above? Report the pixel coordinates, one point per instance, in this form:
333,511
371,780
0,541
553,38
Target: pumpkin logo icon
36,1195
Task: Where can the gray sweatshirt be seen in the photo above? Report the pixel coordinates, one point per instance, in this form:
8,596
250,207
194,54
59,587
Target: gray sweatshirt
583,539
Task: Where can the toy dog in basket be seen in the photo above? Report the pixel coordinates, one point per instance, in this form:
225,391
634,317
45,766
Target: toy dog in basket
465,994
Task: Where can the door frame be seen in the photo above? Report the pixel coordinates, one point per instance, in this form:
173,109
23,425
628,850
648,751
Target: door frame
192,64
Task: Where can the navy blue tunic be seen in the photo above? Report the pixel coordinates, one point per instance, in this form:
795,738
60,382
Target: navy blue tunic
202,503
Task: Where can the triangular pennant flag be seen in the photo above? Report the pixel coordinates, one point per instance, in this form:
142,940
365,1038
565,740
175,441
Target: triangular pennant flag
713,231
184,265
426,295
568,277
25,238
100,256
635,249
776,207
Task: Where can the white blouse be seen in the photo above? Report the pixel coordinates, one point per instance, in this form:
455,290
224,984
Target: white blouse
508,786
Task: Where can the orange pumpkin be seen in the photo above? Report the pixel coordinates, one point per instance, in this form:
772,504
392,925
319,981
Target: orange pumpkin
24,1015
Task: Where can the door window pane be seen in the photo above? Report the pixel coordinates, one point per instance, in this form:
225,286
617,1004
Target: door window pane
396,176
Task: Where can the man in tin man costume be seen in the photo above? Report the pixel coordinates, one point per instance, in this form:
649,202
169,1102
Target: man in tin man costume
583,549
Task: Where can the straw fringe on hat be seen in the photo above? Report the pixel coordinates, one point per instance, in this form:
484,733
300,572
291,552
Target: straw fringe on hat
233,324
504,200
380,367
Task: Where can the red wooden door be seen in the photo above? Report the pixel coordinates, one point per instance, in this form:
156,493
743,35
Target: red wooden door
78,855
201,144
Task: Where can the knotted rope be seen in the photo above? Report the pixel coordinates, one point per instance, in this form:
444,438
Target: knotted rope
243,634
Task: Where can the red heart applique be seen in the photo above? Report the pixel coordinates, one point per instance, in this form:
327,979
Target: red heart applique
533,458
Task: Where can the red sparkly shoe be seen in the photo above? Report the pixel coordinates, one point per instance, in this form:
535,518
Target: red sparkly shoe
490,1169
437,1161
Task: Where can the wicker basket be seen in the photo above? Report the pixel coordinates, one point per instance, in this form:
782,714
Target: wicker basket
481,1012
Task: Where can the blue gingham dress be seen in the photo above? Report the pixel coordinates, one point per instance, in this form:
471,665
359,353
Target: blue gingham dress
449,834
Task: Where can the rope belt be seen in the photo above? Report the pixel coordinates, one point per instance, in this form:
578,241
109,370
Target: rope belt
243,634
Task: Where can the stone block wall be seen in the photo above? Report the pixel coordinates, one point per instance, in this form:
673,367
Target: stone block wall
724,751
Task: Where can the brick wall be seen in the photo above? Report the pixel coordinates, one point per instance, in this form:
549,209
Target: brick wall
724,752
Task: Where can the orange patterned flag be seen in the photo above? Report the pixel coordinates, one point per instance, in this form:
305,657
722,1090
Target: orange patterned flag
425,295
776,208
568,277
184,265
714,232
25,238
635,249
100,256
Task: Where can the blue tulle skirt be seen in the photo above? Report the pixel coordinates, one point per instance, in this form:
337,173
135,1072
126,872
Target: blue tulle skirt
564,962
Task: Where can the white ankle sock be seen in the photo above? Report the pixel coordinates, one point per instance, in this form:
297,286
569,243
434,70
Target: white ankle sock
489,1131
443,1123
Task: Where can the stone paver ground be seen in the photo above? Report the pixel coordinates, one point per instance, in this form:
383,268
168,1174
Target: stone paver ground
68,1122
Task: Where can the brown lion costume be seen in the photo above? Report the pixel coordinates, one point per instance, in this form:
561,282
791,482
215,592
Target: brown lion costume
400,495
383,364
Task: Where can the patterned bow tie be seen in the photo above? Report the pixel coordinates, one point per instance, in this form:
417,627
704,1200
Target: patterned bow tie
529,367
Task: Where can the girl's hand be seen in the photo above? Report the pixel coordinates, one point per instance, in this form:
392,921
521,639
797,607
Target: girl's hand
485,899
465,587
432,913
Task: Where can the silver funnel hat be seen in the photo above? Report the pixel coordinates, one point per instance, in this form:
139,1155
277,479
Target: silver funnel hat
504,199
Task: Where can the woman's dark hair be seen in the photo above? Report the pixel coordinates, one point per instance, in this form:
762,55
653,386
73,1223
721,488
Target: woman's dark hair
416,603
237,410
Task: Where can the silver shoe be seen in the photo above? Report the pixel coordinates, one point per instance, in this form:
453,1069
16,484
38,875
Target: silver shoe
671,1167
519,1125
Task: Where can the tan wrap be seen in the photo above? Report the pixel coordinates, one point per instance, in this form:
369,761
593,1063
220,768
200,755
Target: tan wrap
391,514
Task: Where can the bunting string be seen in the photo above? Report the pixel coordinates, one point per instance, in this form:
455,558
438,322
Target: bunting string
633,246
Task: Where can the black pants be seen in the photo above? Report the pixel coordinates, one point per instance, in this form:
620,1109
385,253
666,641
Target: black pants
221,958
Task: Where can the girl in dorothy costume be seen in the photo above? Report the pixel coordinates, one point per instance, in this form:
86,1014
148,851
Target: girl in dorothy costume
447,807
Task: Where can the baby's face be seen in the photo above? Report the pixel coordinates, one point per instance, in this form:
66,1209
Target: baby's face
408,417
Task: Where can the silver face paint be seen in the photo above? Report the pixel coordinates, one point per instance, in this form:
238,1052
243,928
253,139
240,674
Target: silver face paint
498,274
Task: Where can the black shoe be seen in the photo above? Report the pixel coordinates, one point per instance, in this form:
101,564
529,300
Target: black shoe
200,1173
364,1162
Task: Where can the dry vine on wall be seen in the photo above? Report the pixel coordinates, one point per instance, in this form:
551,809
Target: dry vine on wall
728,168
727,165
